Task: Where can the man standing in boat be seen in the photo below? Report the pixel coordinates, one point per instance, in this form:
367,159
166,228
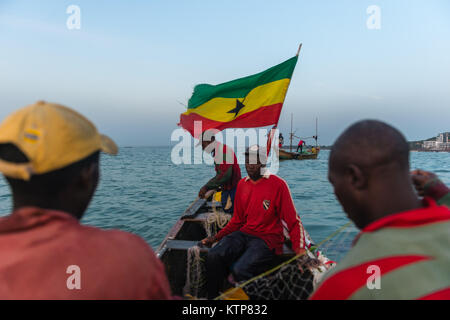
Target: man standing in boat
281,140
402,251
300,145
254,235
228,172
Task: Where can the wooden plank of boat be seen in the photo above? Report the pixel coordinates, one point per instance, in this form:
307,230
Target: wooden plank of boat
200,217
183,245
216,204
170,235
186,244
192,210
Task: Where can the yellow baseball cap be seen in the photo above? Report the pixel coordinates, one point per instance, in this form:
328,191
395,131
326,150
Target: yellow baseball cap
52,137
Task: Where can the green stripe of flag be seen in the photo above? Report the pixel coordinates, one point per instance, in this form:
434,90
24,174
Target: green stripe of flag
239,88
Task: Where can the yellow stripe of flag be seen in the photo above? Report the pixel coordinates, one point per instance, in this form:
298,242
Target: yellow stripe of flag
265,95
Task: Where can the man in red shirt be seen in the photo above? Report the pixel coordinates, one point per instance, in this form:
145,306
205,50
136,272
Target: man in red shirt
300,145
228,172
402,251
281,140
263,207
49,155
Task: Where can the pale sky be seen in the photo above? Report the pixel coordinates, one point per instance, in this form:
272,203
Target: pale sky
133,64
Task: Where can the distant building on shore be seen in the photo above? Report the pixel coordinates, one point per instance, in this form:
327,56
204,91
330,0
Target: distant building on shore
441,143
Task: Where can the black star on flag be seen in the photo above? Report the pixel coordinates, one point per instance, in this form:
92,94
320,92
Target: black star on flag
239,106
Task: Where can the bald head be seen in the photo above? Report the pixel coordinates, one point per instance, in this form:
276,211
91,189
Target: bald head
369,171
369,144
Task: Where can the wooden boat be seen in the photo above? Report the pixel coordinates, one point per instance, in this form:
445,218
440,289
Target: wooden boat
312,153
286,155
187,232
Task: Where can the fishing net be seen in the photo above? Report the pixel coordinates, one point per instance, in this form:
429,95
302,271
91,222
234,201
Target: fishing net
195,279
336,247
294,279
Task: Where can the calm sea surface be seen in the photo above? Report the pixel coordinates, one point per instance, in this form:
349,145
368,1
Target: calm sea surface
143,192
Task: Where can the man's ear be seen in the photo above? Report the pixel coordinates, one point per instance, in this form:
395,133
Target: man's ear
89,175
357,178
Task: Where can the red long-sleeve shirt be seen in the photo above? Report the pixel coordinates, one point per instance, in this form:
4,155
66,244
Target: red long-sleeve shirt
37,247
261,209
228,172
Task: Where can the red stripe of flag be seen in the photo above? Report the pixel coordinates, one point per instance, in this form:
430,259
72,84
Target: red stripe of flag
264,116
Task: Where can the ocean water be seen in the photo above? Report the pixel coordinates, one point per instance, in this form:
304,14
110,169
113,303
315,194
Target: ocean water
143,192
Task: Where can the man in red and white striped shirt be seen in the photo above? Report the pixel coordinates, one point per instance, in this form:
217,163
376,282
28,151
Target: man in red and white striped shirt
402,251
254,235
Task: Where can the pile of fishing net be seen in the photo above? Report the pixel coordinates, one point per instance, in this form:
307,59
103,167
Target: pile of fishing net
294,279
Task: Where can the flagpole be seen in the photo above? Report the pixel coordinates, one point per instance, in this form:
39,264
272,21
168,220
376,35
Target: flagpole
299,48
298,52
316,133
276,125
291,134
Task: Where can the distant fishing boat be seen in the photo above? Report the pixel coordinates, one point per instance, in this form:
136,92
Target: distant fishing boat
311,153
286,155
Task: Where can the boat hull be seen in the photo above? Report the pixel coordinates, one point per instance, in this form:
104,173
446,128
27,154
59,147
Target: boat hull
286,155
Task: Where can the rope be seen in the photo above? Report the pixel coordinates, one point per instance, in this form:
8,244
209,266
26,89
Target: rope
223,295
193,272
220,218
216,219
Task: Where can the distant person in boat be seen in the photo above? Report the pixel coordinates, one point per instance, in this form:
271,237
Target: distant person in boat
49,155
228,172
402,251
281,140
254,235
300,145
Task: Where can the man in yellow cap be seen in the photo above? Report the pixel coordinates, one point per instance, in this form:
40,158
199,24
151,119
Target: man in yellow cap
49,155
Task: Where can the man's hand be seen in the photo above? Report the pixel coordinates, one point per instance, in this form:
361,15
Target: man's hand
421,178
202,192
208,242
428,184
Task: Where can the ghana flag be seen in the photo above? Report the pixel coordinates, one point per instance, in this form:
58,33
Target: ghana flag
253,101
